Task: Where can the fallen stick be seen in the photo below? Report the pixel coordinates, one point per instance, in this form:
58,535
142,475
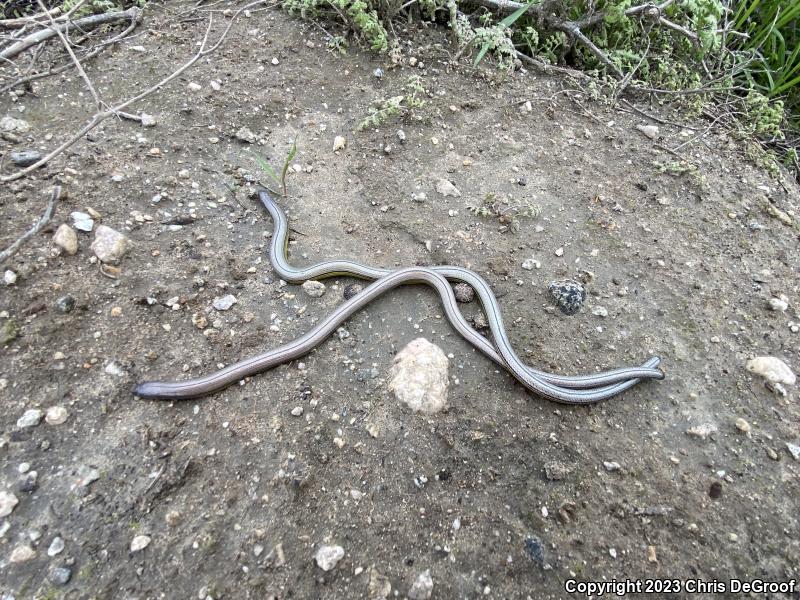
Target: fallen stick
37,227
85,23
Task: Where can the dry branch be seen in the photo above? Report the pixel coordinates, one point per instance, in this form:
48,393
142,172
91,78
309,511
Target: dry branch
37,227
84,23
20,21
117,110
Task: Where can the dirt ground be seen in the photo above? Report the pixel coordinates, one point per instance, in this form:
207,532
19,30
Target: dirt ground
505,495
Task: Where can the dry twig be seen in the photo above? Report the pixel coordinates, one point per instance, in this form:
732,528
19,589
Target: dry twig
37,227
204,50
85,23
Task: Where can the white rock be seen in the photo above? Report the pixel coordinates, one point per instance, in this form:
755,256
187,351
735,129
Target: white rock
526,107
194,87
446,188
531,264
86,475
109,245
650,131
339,143
56,415
82,221
12,125
9,277
148,120
772,369
600,311
794,450
7,503
422,588
418,376
275,61
113,368
559,252
313,288
56,547
140,542
225,302
31,418
66,239
702,431
245,135
779,304
611,466
328,556
297,411
22,554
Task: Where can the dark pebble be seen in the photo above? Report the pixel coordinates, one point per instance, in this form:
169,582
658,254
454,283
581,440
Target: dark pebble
535,549
463,292
351,290
60,575
65,304
27,484
642,186
523,181
25,158
568,294
715,490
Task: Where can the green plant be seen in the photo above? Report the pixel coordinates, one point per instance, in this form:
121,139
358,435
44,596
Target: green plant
396,105
267,168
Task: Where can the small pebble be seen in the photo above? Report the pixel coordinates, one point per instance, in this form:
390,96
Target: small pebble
56,546
611,466
140,542
225,302
31,418
297,411
568,294
339,143
446,188
60,575
56,415
25,158
772,369
702,431
327,557
531,264
350,291
600,311
794,450
109,245
22,554
66,239
7,503
9,277
65,304
742,425
313,288
422,588
82,221
464,292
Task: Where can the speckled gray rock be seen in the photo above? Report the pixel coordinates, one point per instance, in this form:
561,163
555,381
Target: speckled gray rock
225,302
60,575
12,125
25,158
313,288
65,304
464,292
352,290
772,369
418,376
109,245
422,587
568,294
